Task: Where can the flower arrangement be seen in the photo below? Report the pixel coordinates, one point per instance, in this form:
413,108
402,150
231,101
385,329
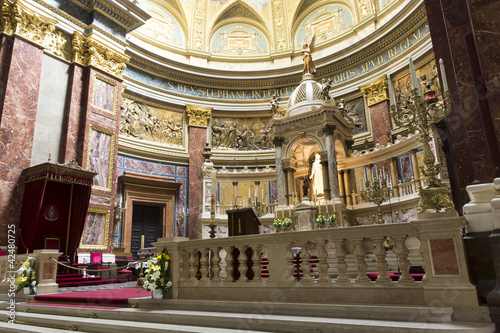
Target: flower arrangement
277,224
156,273
26,275
287,223
331,220
321,220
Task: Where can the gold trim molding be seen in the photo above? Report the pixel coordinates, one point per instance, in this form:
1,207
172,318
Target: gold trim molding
376,91
198,116
89,52
18,20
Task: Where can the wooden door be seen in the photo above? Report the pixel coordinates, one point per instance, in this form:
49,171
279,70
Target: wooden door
146,220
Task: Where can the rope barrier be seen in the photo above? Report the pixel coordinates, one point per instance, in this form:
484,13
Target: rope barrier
96,270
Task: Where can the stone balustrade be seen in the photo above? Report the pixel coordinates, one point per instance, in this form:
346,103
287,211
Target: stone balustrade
206,269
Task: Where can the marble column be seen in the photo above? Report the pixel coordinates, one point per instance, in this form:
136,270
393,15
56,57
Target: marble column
288,193
20,72
394,177
197,137
326,181
332,162
347,186
280,174
76,112
342,186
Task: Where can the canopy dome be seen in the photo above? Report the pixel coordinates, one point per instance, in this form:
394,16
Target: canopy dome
307,94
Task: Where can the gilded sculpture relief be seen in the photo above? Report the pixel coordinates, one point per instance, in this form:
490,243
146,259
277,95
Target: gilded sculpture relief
242,134
149,123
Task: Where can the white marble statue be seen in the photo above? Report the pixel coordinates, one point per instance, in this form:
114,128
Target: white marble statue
317,177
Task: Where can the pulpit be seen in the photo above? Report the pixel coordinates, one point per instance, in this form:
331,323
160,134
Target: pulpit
242,221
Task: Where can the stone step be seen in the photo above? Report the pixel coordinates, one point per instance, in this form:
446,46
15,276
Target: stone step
268,319
21,328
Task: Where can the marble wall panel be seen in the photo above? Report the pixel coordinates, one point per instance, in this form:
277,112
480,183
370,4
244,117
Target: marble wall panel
444,257
104,95
102,120
381,122
408,215
181,171
20,88
273,188
99,157
149,167
405,168
93,231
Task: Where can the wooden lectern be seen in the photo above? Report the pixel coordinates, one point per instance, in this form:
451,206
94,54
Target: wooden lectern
242,221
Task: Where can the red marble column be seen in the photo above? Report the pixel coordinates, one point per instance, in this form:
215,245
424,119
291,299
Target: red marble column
20,81
75,127
381,122
197,140
473,160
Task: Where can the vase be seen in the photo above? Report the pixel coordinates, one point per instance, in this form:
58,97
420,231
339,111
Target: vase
157,294
26,290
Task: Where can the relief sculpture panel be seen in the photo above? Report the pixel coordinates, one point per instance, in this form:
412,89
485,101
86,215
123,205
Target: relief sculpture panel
242,134
151,123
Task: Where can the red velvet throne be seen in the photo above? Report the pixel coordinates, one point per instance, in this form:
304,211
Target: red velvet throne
55,203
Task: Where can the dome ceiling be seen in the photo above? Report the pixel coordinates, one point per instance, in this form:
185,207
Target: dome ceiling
252,29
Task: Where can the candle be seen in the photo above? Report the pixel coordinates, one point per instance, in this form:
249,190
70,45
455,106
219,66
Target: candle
414,78
326,204
391,90
443,75
142,241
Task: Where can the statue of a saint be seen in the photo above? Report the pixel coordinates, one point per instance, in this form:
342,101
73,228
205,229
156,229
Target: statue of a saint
305,186
308,62
317,177
325,89
274,104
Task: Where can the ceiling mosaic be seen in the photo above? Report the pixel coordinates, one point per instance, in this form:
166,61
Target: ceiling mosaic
243,28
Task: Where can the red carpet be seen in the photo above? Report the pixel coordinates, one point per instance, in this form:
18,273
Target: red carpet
105,296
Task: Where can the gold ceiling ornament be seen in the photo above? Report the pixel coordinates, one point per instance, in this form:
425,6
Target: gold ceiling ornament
18,20
279,26
198,116
89,52
419,112
376,91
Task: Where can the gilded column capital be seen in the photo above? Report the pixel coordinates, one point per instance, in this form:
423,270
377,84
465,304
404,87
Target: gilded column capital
89,52
376,91
198,116
19,20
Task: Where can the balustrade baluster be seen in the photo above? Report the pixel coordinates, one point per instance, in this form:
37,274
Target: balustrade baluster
360,253
229,264
256,266
216,265
192,266
382,264
323,264
306,265
341,265
204,265
243,266
403,262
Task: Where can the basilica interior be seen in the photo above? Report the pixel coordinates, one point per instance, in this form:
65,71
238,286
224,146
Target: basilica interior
369,126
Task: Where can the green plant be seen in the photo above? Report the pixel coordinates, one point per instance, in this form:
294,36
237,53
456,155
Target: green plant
277,224
331,220
321,220
287,223
156,273
26,275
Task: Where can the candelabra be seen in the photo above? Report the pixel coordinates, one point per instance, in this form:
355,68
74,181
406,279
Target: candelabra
377,192
418,112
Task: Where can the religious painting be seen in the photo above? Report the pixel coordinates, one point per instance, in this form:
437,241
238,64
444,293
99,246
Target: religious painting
239,39
325,23
405,168
358,109
100,155
104,94
95,231
242,133
162,26
151,123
